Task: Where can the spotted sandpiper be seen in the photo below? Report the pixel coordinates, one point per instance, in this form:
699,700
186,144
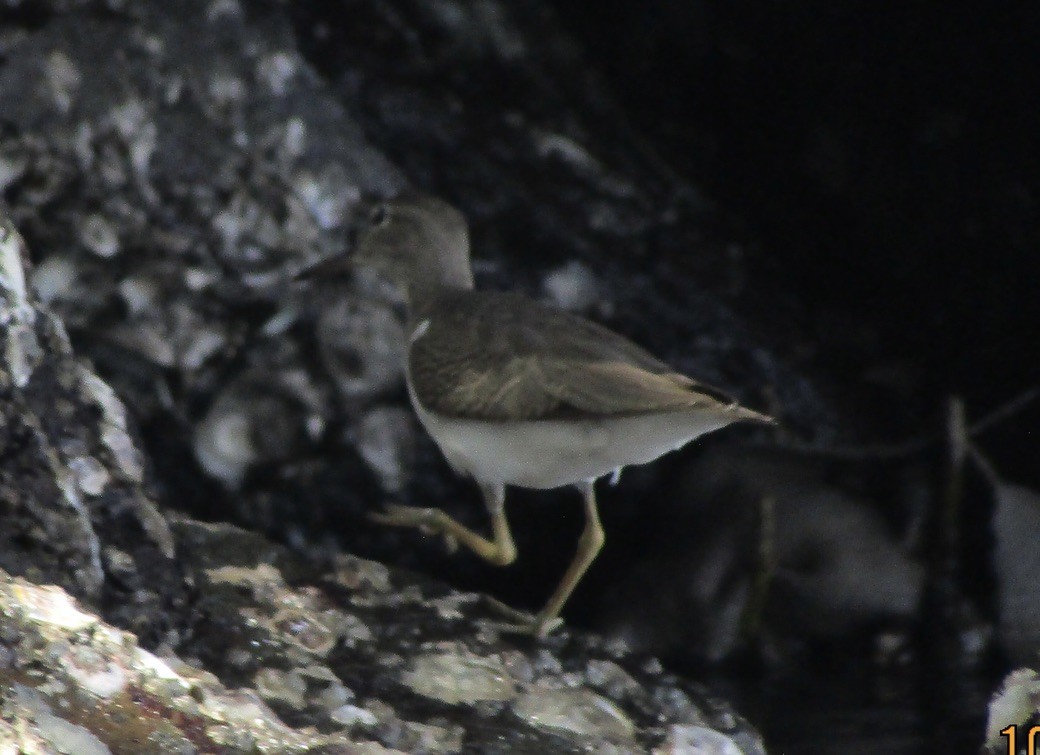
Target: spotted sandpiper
518,393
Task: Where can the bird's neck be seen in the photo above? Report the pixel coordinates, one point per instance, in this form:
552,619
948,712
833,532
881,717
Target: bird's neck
444,277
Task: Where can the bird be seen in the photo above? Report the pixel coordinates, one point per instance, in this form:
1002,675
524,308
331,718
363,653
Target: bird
518,393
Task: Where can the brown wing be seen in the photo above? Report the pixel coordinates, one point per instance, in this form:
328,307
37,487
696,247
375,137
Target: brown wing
502,357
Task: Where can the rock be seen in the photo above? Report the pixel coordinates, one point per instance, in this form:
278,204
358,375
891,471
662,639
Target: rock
95,685
339,653
73,470
170,189
1013,705
452,677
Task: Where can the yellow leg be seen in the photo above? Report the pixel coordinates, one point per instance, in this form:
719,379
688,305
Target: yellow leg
500,550
589,545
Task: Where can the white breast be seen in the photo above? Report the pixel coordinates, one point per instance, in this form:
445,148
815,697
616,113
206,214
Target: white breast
553,453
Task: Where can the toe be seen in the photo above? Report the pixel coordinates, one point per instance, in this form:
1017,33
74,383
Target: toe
522,622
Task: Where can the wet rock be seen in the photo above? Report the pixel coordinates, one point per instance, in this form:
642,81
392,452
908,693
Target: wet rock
256,615
403,683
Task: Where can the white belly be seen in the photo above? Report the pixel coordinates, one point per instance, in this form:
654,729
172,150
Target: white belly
553,453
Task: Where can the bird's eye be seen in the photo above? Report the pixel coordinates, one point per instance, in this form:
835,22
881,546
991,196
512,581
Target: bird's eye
378,216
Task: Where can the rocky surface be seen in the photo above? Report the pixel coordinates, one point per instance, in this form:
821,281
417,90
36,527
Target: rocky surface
250,648
77,506
170,188
171,168
281,656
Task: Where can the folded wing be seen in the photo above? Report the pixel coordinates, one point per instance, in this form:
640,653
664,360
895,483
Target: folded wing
501,357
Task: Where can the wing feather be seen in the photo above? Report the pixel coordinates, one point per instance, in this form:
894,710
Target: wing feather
500,357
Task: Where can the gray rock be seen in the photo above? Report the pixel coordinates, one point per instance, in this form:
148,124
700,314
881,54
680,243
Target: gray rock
72,469
170,189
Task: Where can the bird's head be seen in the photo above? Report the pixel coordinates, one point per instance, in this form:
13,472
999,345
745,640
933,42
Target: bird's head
416,241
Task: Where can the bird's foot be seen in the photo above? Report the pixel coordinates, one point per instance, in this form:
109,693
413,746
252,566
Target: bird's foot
429,521
522,622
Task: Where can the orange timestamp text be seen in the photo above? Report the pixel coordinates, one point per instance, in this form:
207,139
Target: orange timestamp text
1010,733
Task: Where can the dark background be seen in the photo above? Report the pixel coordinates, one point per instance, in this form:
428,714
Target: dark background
878,166
875,168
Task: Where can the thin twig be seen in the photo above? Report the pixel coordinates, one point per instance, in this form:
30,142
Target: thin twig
900,449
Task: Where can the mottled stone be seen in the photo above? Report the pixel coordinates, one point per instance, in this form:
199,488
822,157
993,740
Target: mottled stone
51,606
362,344
685,739
305,629
457,677
385,438
352,715
99,236
95,672
136,695
610,678
285,687
64,736
577,712
432,738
